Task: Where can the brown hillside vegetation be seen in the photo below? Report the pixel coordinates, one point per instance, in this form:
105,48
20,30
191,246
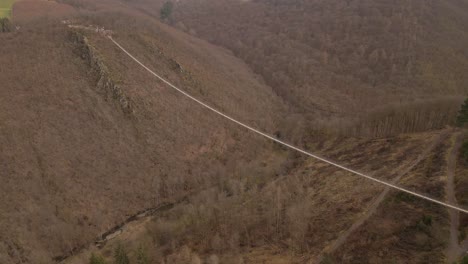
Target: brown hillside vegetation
461,191
28,10
341,58
74,162
296,215
89,140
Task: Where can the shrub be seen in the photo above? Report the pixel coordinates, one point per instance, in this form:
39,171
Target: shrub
462,235
326,260
464,260
462,117
96,259
404,197
142,258
120,255
5,25
166,10
427,220
464,151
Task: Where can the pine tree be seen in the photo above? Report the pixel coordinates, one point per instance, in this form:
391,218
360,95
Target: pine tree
142,258
120,255
464,151
5,25
464,260
96,259
462,117
166,10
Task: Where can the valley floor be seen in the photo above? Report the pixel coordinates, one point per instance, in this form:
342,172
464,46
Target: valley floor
367,213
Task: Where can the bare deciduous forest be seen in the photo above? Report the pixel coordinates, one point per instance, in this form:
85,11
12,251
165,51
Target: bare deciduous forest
100,162
345,58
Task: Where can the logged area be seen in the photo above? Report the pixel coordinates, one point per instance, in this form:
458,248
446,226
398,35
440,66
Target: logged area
102,162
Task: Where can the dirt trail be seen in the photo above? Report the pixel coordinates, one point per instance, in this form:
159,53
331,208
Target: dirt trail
373,208
454,250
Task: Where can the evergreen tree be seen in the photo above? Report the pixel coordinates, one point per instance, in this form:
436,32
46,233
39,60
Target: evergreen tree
462,117
464,260
5,25
95,259
120,256
142,258
464,151
166,10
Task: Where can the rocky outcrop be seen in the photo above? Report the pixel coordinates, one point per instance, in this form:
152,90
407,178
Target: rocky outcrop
104,82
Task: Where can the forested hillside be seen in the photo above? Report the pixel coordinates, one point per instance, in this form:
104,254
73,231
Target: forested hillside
101,162
87,138
343,58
